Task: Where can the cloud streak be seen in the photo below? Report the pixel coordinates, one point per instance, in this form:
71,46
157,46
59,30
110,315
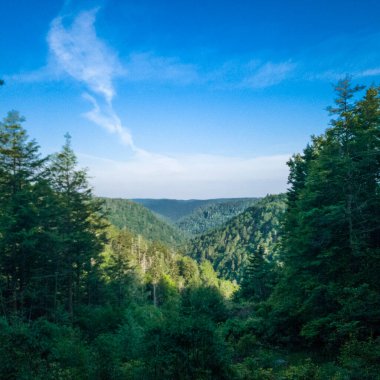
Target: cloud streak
80,53
269,74
107,118
147,66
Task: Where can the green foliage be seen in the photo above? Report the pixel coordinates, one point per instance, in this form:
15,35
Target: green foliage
188,346
123,213
329,291
42,350
229,247
188,271
80,228
259,277
213,214
361,358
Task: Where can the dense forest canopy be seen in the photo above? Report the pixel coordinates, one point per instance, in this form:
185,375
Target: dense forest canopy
123,213
287,288
229,247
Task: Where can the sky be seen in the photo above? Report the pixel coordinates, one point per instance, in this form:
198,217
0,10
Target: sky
185,99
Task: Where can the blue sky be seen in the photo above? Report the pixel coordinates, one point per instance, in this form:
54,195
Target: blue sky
183,99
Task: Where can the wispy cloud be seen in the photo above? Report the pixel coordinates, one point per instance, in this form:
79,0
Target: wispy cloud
81,54
45,73
336,75
107,118
268,74
356,55
148,66
191,176
369,72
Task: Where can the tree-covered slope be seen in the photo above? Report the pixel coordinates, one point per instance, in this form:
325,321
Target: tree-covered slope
228,247
213,214
172,209
196,216
139,220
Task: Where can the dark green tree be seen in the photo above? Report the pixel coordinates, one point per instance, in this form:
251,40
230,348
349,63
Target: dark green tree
259,276
331,245
25,200
81,228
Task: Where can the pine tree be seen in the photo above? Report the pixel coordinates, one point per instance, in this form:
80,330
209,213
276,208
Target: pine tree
331,227
81,227
120,264
24,205
259,277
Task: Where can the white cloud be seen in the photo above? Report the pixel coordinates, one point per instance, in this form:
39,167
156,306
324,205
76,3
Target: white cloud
82,55
79,52
268,74
335,76
369,72
191,176
107,118
150,67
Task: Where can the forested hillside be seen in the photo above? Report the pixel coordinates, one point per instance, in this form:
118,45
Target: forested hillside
229,246
172,209
123,213
196,216
213,214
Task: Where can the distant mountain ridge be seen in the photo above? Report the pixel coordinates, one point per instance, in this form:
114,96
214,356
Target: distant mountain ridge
195,216
172,209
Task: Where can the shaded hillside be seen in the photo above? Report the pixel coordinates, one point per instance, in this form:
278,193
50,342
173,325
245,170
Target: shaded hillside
139,220
214,214
228,247
172,209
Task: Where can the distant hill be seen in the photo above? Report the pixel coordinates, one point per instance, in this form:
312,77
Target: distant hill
196,216
213,214
227,247
139,220
172,209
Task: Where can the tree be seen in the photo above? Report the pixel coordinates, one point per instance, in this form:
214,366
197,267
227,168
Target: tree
259,276
119,266
24,207
81,227
331,229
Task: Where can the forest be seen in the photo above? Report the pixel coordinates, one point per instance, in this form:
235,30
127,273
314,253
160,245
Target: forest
282,287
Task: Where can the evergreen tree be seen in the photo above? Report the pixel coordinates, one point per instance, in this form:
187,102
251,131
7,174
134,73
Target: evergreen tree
259,276
331,228
119,265
81,227
24,207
